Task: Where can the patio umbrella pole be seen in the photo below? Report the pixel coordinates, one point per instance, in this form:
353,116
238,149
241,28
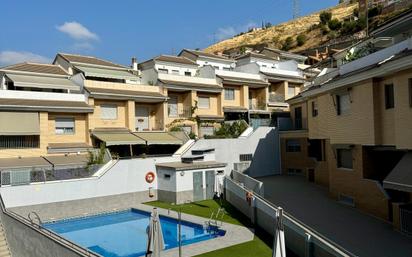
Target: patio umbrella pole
180,231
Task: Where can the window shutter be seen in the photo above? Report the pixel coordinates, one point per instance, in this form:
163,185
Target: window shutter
109,112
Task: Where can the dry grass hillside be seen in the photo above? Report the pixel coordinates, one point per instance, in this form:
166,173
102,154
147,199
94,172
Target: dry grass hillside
276,35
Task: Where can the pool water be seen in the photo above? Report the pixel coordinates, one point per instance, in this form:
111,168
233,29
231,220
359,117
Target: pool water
123,234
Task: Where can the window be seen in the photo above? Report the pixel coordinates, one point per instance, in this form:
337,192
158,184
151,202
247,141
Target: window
229,94
291,91
207,130
175,72
64,126
410,92
167,176
216,67
108,112
163,71
172,106
346,200
292,145
226,68
203,102
245,157
344,158
314,109
298,118
343,103
389,97
188,73
19,142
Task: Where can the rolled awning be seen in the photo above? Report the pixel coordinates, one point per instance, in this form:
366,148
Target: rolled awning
107,73
400,177
69,161
158,138
43,82
19,123
118,138
24,163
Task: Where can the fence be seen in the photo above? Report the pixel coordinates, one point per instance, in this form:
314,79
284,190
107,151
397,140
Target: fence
249,182
25,176
406,219
299,238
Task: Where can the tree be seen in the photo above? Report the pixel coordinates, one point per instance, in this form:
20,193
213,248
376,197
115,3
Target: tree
334,24
301,40
288,44
325,17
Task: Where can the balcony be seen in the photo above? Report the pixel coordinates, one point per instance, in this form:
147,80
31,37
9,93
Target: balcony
288,124
257,106
276,98
179,112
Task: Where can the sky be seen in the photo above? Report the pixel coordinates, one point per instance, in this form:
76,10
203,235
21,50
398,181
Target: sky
35,30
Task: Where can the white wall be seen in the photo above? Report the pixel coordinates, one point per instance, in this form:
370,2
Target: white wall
221,65
15,94
126,176
263,144
181,69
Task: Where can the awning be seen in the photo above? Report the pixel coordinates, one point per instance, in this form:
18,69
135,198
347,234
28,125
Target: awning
107,73
118,137
181,166
235,109
400,177
44,105
113,93
24,163
68,147
19,123
211,118
255,83
158,138
43,82
70,161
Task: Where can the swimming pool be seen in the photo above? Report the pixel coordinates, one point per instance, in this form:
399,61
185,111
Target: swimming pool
123,234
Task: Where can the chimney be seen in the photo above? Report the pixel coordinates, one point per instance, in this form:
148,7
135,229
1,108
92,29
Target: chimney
134,63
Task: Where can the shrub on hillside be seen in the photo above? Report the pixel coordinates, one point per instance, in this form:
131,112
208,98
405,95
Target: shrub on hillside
325,17
301,40
230,130
288,44
334,24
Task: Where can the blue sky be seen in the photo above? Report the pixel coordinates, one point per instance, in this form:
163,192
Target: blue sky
118,30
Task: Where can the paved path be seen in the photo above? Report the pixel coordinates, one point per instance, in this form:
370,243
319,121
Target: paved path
359,233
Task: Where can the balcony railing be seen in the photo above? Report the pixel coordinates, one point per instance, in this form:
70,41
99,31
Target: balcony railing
276,98
182,112
259,106
288,124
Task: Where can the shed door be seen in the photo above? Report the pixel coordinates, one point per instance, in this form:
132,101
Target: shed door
210,184
197,186
142,118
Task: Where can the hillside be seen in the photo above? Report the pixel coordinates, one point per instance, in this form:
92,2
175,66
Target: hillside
276,35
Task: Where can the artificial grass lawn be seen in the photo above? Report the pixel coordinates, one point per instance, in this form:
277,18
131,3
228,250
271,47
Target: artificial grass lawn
259,246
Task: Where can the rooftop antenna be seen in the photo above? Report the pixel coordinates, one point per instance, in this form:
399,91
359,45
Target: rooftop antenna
296,9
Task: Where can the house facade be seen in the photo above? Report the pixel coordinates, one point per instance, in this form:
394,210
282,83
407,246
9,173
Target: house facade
351,131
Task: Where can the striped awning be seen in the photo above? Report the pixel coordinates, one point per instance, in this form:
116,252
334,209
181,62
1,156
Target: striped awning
159,138
107,73
19,123
43,82
24,163
118,137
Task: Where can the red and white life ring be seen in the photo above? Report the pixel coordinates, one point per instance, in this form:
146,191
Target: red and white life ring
150,177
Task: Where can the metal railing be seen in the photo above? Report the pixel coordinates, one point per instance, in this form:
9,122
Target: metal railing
304,229
48,233
275,98
180,112
289,124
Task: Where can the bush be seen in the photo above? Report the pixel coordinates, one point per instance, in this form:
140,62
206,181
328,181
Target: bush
228,130
375,11
325,17
324,29
288,44
301,40
334,24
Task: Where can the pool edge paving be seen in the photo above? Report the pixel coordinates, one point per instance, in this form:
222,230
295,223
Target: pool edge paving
234,235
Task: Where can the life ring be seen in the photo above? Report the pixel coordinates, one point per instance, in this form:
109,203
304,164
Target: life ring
150,176
249,196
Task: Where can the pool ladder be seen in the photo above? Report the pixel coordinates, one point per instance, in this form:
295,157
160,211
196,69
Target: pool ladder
214,218
36,216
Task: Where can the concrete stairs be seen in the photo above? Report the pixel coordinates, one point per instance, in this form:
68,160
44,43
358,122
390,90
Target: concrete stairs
4,247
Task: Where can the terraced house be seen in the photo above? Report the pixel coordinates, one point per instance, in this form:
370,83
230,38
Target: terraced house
41,111
351,131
